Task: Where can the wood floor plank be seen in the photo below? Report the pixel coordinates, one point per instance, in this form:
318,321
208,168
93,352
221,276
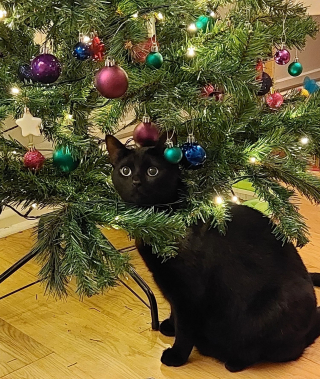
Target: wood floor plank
17,349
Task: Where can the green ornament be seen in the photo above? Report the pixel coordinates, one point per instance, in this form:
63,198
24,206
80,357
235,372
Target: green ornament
62,159
173,154
202,22
295,68
154,60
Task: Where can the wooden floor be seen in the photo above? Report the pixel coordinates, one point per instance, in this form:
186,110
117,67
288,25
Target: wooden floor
109,336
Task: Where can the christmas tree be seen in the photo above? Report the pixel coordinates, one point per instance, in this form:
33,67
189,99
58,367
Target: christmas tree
195,68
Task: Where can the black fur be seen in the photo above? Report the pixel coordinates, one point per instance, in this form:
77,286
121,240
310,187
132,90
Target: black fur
241,298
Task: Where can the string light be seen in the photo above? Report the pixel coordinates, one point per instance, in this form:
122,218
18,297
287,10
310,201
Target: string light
191,52
304,140
86,39
15,90
160,16
219,200
117,218
192,28
253,160
235,199
135,15
34,205
69,116
14,152
3,14
212,14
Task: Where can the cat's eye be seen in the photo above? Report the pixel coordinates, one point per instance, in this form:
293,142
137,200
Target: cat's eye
152,171
125,171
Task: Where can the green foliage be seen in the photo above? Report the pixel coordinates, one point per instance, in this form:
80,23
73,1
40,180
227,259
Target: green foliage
233,131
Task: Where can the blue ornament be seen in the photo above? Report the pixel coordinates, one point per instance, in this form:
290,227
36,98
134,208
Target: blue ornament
193,152
310,85
82,51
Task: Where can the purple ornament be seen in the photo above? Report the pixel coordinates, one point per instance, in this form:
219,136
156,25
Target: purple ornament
282,57
111,81
146,133
46,68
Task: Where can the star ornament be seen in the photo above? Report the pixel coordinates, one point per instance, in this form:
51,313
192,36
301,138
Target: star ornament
29,124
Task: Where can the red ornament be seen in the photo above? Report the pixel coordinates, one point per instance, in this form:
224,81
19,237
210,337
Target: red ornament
140,51
274,100
33,159
111,81
146,133
211,91
97,49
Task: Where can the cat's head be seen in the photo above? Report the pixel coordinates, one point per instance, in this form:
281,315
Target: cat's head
143,176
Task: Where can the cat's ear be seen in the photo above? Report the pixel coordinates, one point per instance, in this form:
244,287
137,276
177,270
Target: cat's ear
161,144
115,148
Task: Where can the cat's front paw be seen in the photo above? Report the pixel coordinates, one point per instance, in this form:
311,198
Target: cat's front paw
235,366
167,328
171,357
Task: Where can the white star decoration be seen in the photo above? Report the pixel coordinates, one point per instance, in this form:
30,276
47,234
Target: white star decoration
29,124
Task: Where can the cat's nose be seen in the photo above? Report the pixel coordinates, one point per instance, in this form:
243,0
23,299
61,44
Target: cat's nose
136,182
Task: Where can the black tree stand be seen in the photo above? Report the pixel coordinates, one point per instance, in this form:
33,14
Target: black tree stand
132,272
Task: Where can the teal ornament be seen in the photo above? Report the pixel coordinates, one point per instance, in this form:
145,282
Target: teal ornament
173,154
63,159
202,22
295,68
154,58
310,85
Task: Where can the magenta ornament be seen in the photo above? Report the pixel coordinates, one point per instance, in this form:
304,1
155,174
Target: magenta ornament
146,133
111,81
282,57
46,68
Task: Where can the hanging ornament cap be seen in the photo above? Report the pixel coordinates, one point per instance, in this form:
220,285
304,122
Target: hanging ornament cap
191,138
154,48
110,62
146,119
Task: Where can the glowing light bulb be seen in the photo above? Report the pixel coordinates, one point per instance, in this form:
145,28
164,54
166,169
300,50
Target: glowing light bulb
219,200
192,28
135,15
234,199
15,90
14,152
304,140
117,218
160,16
86,39
253,160
3,14
191,52
212,14
69,116
34,205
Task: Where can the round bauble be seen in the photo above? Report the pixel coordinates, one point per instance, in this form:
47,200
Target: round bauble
282,57
63,159
173,154
25,73
154,60
33,159
202,22
295,69
210,91
194,153
304,92
45,68
140,51
81,51
111,82
274,100
266,84
146,133
310,85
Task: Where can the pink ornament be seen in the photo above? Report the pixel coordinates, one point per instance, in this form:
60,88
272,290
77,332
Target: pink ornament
282,57
33,159
111,81
146,133
275,100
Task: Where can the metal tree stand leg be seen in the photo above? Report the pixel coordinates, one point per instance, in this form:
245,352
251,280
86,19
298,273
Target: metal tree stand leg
135,276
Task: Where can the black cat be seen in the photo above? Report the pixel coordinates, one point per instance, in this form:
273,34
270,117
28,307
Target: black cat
241,298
